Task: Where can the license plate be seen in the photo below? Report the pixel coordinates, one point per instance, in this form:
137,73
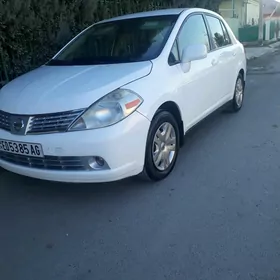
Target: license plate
20,148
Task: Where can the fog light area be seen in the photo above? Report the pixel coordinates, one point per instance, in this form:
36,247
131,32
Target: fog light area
97,163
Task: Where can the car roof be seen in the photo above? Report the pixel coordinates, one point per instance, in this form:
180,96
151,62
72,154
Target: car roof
163,12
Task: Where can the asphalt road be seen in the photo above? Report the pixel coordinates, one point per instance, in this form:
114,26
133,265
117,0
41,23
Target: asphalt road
216,217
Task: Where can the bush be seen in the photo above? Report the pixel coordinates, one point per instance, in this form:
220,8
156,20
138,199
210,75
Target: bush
32,31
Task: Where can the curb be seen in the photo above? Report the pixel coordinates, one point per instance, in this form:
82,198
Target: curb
274,45
264,44
267,50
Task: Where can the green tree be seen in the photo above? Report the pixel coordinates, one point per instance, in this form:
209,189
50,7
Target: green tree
32,31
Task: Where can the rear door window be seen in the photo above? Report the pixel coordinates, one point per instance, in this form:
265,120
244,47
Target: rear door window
219,34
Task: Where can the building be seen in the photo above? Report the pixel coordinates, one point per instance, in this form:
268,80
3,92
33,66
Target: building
240,13
243,18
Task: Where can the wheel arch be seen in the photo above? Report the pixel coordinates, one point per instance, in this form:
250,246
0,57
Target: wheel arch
242,72
173,108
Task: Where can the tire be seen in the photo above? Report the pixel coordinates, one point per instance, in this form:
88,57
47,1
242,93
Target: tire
167,147
238,97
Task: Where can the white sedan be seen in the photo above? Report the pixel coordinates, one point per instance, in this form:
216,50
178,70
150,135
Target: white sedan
118,99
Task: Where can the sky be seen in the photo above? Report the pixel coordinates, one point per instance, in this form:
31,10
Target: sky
269,5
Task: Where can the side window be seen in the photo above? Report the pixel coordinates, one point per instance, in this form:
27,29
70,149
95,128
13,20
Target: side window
218,32
193,32
226,35
174,55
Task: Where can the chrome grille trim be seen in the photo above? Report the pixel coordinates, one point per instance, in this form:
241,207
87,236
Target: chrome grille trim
41,124
48,162
51,123
5,121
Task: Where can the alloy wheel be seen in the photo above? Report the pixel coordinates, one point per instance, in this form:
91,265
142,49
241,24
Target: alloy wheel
164,146
239,92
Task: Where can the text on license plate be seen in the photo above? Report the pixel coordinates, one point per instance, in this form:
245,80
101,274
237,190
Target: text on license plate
20,148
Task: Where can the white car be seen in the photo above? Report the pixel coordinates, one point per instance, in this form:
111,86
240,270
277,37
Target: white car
118,99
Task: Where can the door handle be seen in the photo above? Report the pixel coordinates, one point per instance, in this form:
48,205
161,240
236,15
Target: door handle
214,62
234,53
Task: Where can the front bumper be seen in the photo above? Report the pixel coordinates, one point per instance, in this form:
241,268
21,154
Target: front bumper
122,146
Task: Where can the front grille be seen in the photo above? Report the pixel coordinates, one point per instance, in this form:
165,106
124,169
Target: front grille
47,163
5,121
50,123
40,124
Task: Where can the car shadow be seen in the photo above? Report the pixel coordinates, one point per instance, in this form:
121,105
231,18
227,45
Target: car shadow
41,187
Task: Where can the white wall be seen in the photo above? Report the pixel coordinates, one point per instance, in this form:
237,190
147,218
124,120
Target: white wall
252,12
227,13
225,9
234,25
245,14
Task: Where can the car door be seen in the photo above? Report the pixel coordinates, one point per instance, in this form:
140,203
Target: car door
226,55
198,88
234,63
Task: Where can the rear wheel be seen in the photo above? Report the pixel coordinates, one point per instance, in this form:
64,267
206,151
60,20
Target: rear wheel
238,97
162,146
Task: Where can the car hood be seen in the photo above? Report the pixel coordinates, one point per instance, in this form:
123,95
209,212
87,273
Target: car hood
51,89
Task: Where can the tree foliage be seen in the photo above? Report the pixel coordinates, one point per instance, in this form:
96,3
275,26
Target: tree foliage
32,31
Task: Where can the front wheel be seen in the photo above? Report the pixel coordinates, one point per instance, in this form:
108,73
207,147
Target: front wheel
162,146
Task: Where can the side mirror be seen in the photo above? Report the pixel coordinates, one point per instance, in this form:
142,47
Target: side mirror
192,53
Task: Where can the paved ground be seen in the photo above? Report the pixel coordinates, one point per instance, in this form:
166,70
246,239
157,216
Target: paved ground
255,52
216,218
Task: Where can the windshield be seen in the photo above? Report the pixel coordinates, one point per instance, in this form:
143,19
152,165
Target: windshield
120,41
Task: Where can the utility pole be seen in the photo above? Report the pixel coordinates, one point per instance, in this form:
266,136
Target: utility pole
261,22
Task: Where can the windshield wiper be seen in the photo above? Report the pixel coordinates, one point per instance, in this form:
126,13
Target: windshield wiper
105,60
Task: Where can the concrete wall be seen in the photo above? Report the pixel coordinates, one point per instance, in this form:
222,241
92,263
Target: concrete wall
243,13
227,12
272,28
234,25
230,16
252,17
235,18
225,9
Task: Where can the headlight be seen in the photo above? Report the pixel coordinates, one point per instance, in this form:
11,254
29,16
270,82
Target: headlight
108,110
